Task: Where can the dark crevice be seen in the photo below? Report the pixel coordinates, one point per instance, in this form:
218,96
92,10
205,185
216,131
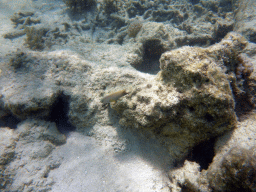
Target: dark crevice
243,106
152,51
59,114
194,2
203,153
221,31
243,100
9,121
209,118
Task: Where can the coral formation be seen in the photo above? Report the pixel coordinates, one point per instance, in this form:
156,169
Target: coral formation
232,168
196,96
14,34
19,60
192,99
35,39
244,68
24,18
28,102
243,84
134,28
153,40
236,172
21,20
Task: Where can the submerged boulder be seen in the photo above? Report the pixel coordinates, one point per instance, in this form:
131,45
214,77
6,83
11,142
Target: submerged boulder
190,100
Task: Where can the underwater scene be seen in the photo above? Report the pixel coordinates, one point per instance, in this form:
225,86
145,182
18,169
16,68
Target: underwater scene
127,95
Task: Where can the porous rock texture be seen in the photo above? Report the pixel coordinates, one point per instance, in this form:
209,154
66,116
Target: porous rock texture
26,158
236,160
245,20
48,74
233,167
152,40
191,99
238,167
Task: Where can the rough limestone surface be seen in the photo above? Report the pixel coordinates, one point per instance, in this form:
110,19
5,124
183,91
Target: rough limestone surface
48,74
191,98
18,93
8,143
245,19
233,167
238,167
189,177
66,61
231,158
8,140
152,40
31,160
86,108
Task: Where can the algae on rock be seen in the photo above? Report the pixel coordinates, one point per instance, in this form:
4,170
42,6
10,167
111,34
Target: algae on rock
34,38
238,167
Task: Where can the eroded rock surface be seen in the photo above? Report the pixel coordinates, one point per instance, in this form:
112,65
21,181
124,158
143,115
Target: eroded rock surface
35,80
190,99
196,95
232,168
31,161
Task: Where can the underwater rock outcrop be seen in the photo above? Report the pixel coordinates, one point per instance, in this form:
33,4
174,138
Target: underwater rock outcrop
153,40
191,99
232,168
238,167
33,141
34,95
18,89
245,19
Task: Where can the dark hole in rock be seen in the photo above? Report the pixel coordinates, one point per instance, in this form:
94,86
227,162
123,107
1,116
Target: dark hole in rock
221,30
243,106
244,100
184,188
59,114
9,121
153,50
194,1
209,117
203,153
191,109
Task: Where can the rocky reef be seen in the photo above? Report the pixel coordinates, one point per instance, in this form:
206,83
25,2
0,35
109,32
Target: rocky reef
154,81
33,142
237,167
191,99
232,168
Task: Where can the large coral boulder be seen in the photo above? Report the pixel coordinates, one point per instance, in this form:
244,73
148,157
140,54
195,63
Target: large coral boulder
238,167
190,99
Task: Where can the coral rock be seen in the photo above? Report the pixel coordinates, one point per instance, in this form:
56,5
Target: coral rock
191,99
238,167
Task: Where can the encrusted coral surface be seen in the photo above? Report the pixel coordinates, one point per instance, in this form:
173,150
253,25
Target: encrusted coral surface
191,98
188,82
238,167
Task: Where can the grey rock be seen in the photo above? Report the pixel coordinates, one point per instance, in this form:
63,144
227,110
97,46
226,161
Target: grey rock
32,161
